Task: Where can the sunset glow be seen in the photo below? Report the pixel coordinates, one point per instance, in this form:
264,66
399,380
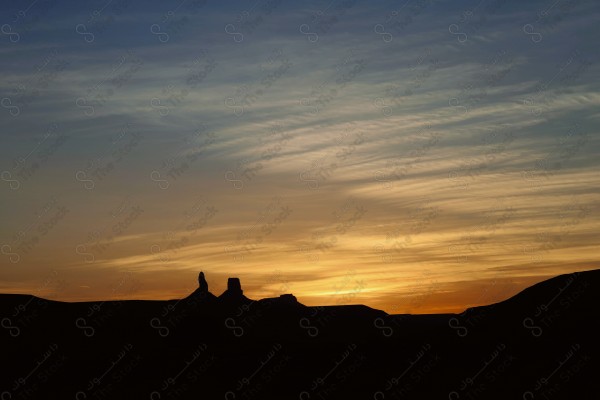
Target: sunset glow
420,174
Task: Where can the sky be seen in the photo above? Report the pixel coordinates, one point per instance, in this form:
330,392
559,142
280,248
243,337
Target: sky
414,156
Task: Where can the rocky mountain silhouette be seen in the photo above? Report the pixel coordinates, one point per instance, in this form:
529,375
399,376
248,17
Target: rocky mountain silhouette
540,344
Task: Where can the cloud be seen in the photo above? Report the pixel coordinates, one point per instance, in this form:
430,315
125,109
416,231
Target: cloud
463,158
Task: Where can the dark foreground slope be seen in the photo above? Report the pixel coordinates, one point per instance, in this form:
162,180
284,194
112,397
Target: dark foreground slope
540,344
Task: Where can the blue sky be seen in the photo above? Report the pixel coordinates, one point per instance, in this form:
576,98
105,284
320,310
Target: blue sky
408,155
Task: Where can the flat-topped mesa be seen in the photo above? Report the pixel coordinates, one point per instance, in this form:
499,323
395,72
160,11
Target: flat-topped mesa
234,292
288,298
234,286
285,301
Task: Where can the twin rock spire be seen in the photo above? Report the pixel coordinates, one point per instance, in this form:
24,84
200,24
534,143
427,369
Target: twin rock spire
234,292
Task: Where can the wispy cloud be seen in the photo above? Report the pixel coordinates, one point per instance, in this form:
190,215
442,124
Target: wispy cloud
401,158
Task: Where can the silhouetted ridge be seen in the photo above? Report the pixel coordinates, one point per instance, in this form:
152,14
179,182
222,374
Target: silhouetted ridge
540,344
566,287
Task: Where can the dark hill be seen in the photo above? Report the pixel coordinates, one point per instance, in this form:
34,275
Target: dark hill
539,344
